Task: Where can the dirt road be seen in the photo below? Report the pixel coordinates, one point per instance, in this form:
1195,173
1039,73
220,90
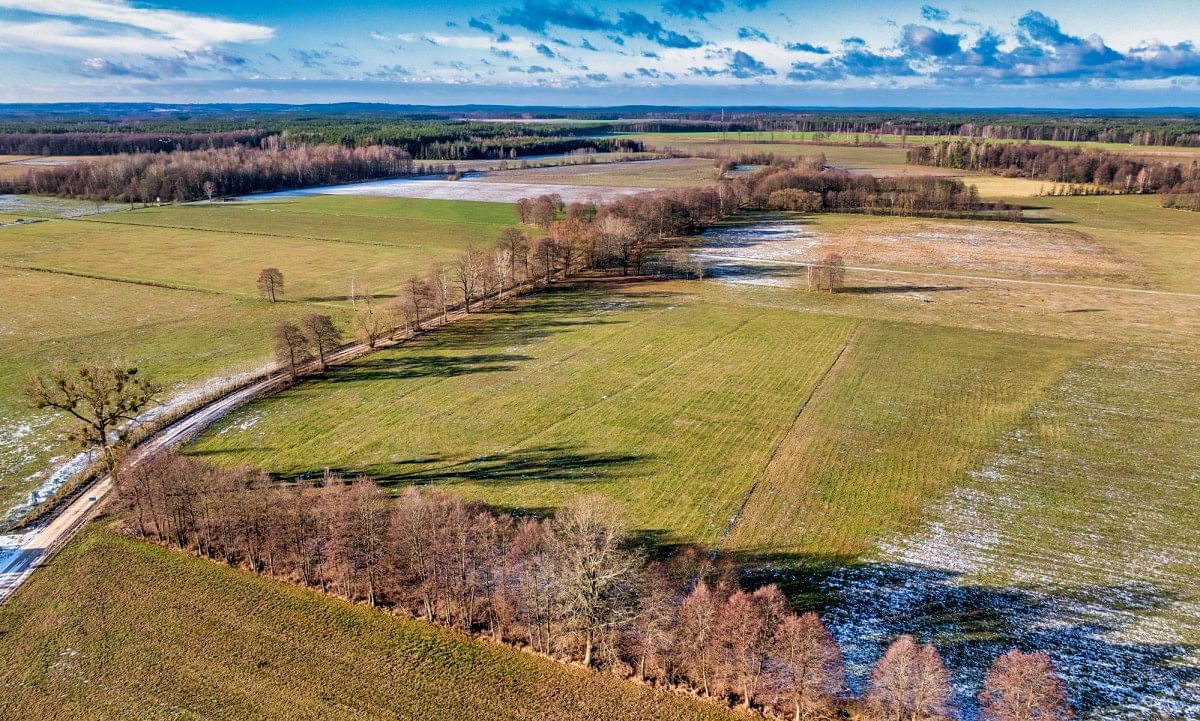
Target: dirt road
23,552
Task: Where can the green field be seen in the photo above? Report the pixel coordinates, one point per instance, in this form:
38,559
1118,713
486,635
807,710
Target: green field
173,289
119,629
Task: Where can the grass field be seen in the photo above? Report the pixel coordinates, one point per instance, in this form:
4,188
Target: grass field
119,629
172,289
968,433
673,173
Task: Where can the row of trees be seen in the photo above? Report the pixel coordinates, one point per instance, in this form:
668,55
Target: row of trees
789,187
110,143
571,587
193,175
1117,172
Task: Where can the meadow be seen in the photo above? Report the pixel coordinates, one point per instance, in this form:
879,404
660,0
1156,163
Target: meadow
868,449
118,628
172,289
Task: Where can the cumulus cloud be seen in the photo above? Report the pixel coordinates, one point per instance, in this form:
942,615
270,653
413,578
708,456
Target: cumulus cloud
544,50
481,25
740,65
924,40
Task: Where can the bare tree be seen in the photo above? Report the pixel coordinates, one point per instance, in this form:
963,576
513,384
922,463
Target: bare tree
503,260
370,322
270,283
910,683
747,623
322,335
440,277
1024,687
697,647
517,245
595,572
291,347
105,398
466,274
809,665
418,295
827,274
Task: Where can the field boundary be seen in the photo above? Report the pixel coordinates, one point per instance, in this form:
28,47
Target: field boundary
737,516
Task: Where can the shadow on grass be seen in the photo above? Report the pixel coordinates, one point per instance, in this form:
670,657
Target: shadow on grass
554,463
1091,630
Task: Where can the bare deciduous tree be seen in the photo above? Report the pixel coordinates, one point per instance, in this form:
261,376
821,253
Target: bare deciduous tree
466,274
809,666
291,347
270,283
105,399
1024,687
747,624
910,683
596,573
322,335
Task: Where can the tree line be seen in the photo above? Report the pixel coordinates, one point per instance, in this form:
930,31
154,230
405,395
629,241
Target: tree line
573,587
179,176
1115,172
102,143
795,187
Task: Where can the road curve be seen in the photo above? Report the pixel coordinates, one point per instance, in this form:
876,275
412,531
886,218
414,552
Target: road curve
23,553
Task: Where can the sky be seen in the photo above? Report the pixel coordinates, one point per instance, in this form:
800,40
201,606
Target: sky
982,53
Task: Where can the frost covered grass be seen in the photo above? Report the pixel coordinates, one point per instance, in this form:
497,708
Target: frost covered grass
117,628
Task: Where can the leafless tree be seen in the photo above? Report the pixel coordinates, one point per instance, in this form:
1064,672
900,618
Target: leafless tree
517,245
910,683
696,644
744,631
811,674
291,347
1024,687
270,284
322,335
370,321
440,280
595,571
418,294
466,274
105,399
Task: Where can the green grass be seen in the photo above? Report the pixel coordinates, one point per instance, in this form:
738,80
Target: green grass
173,289
118,629
908,411
661,400
672,173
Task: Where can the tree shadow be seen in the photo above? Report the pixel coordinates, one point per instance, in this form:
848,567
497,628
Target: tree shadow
553,463
407,366
1091,630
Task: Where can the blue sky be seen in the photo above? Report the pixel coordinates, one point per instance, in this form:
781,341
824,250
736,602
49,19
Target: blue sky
606,52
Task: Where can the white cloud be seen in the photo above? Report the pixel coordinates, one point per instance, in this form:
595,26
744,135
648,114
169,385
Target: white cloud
116,27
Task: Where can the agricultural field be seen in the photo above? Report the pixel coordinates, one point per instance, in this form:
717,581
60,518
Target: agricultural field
866,448
672,173
118,628
173,290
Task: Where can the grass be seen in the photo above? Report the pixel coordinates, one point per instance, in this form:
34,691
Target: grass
673,173
172,289
116,628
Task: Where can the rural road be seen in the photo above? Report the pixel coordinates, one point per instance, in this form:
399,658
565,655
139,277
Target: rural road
21,553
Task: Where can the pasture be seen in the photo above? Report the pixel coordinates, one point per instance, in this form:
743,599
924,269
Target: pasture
984,417
118,628
671,173
172,289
